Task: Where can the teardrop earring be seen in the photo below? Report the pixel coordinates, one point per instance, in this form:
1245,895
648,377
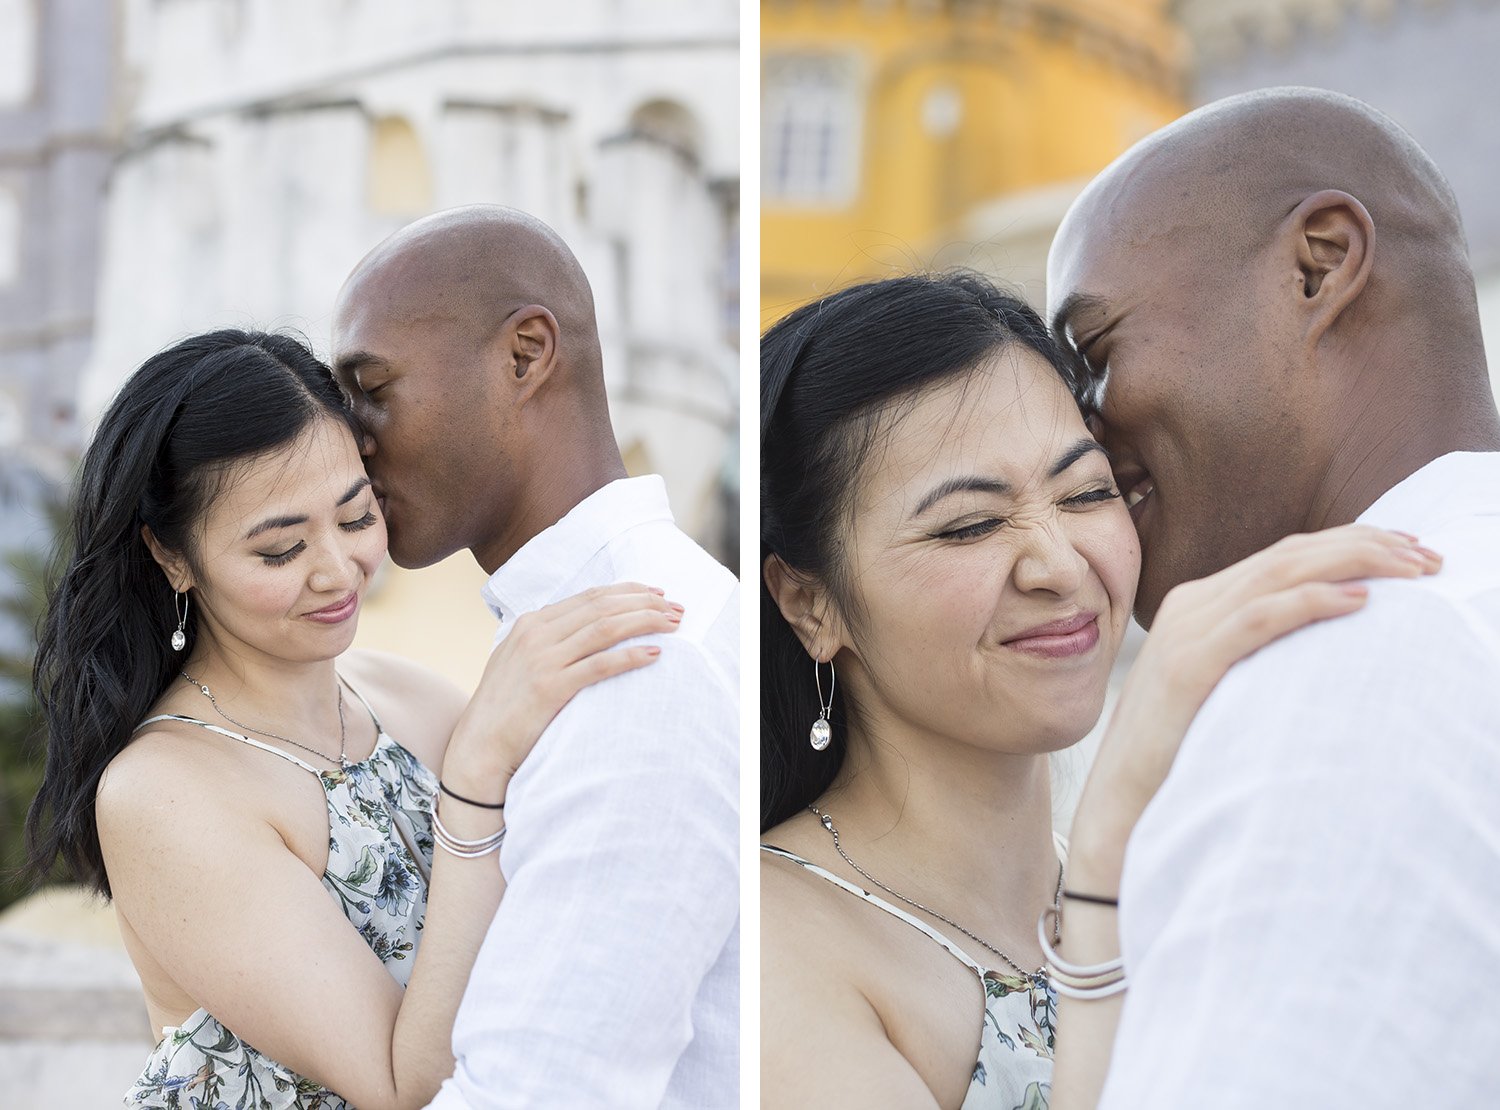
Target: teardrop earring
179,638
822,732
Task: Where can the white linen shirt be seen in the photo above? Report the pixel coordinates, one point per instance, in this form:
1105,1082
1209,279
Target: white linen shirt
610,974
1310,907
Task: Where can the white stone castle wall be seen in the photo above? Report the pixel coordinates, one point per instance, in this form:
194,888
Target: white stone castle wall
246,192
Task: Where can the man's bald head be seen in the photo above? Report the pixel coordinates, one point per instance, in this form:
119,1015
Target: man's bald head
1277,288
1227,174
477,265
468,344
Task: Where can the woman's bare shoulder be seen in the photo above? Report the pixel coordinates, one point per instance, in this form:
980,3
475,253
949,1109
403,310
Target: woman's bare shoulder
163,784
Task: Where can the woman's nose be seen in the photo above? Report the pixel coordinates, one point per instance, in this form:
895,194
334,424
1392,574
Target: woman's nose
1047,560
335,569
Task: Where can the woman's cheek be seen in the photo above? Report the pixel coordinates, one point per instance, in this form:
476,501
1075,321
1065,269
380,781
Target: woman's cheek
1114,551
372,547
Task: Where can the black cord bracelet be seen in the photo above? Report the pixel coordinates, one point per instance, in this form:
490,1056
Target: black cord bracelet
469,801
1094,898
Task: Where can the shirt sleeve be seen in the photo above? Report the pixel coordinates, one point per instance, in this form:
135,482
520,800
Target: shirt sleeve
623,890
1309,906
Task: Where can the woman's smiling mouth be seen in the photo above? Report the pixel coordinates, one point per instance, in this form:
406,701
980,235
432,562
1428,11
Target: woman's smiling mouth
1059,639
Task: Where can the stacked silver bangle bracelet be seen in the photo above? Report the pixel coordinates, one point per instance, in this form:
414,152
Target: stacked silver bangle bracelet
1084,981
464,849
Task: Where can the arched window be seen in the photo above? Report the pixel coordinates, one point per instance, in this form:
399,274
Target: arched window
671,125
399,183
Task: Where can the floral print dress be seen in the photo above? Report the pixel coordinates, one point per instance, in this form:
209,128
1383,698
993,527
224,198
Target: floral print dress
379,856
1014,1068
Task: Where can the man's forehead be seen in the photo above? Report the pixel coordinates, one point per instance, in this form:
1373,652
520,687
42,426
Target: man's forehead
380,309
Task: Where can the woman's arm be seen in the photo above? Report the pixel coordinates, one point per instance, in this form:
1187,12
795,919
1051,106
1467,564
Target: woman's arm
1203,629
249,932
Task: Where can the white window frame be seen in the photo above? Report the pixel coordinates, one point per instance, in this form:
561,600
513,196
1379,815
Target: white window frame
812,109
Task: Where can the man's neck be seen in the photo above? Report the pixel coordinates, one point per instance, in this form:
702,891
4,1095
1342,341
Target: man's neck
1379,450
549,494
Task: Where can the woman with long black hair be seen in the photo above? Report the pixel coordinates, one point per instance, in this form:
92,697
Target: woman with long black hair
298,839
948,570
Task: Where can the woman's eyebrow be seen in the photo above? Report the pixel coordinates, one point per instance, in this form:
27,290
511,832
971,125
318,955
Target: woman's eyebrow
359,484
960,485
272,523
1081,449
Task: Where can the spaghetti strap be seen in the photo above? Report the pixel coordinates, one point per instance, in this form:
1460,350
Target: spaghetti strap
232,735
379,728
875,900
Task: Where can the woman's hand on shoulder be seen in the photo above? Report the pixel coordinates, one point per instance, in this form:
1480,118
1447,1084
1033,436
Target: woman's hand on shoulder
1201,630
547,658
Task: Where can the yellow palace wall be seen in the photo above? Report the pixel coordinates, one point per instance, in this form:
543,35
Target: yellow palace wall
959,105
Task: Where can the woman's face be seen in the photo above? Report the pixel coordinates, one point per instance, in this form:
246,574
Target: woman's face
992,565
287,549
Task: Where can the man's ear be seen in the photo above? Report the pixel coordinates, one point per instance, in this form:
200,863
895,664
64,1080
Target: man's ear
1334,242
173,565
531,335
807,607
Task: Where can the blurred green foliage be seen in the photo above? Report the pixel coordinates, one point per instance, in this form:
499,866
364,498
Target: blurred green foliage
22,744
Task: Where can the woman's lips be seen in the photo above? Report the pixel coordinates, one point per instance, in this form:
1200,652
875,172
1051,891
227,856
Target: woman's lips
338,613
1059,639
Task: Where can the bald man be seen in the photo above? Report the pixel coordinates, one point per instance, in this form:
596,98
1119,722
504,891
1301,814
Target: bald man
1275,297
610,974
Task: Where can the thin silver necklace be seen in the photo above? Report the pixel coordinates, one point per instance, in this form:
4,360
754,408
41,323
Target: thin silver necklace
1037,977
342,760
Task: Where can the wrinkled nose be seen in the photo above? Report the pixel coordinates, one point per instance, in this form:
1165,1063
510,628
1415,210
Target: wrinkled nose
1048,561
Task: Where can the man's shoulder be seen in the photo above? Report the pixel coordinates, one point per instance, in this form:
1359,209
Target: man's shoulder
1422,623
673,720
661,554
1416,661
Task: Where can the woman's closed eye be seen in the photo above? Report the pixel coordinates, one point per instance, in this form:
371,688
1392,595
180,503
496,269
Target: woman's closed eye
281,558
1092,497
972,531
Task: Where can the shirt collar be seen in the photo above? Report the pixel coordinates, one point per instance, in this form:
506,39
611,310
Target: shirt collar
1459,484
532,576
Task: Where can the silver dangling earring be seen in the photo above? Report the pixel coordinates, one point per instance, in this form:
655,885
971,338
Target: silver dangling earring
179,638
822,732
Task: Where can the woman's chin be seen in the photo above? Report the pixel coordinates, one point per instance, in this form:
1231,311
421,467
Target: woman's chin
1067,722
